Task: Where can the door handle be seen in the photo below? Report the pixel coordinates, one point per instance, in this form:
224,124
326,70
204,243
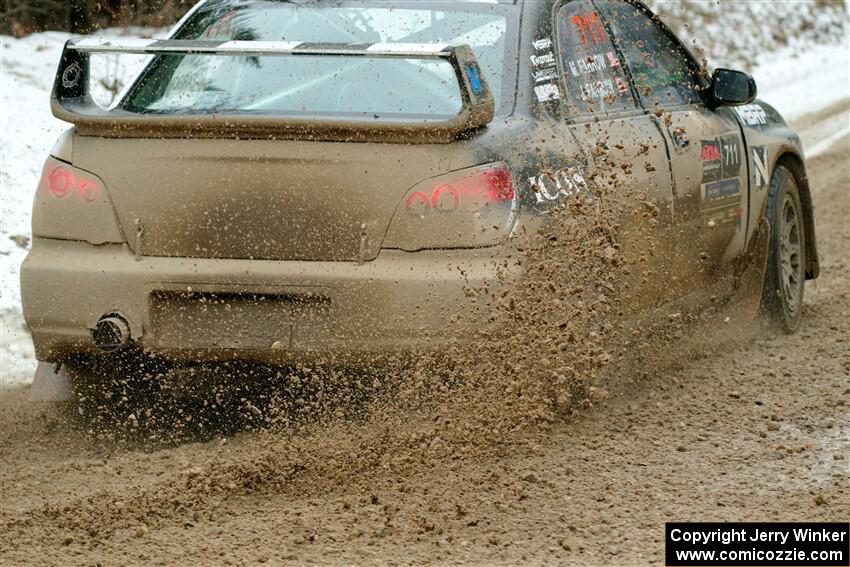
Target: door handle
680,138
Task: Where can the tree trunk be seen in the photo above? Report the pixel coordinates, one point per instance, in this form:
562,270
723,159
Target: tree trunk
81,17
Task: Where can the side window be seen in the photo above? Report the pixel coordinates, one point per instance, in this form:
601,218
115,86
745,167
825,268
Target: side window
661,72
593,75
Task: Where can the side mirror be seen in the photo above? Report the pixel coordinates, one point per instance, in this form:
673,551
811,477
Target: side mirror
731,88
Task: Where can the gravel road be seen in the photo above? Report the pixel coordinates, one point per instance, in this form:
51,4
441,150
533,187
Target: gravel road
740,425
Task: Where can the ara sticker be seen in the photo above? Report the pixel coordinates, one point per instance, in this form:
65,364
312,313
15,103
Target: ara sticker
474,78
71,75
760,167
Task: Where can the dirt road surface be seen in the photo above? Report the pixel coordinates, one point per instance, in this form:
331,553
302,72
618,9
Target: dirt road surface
740,425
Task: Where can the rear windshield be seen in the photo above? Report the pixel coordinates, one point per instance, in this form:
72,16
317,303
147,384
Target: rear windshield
339,86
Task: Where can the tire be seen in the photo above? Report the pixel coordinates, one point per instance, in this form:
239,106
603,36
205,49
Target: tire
785,278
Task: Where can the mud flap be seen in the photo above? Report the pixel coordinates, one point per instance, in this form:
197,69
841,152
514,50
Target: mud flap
50,385
751,271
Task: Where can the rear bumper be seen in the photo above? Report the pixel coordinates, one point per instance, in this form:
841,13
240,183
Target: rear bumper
337,312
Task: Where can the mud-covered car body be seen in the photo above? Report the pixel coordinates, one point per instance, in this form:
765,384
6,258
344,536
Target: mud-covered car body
201,232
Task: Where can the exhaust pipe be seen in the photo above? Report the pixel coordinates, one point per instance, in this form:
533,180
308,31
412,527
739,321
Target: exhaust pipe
111,333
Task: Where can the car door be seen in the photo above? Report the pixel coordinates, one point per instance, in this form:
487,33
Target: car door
706,148
625,144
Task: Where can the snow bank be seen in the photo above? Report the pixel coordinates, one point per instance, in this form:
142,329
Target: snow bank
803,82
799,79
28,131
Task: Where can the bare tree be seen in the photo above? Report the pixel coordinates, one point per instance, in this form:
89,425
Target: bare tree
20,17
80,17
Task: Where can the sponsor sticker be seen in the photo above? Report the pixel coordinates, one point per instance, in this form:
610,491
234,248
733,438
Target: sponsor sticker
543,75
542,44
720,157
739,217
543,60
751,114
552,187
622,87
546,92
474,75
730,153
760,177
721,189
710,157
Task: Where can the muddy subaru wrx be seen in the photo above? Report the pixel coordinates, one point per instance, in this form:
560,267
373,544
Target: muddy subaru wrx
292,180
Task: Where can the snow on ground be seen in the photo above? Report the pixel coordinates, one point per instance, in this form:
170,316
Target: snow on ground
27,132
802,82
796,80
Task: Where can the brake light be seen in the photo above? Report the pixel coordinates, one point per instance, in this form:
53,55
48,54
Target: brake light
71,204
483,186
466,208
61,182
498,184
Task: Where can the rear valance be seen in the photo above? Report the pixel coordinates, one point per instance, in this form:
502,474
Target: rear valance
71,100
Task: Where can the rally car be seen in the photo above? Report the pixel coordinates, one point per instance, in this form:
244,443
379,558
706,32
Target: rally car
286,180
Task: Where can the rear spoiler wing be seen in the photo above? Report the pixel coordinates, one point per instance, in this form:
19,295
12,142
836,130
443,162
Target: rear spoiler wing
71,99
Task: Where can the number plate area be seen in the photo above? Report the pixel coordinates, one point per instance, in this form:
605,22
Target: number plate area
227,320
